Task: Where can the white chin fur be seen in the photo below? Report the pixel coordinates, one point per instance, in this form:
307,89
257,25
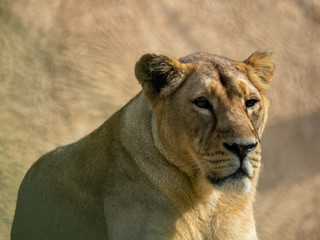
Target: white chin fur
237,186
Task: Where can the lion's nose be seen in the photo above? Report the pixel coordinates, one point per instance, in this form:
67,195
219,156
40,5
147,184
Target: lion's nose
241,150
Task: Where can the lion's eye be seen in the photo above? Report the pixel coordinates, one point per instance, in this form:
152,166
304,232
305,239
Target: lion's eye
202,102
251,102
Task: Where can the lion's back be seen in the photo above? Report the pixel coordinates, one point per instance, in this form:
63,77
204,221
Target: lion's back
62,195
47,209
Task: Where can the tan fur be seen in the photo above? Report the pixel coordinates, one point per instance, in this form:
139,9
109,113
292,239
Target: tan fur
159,167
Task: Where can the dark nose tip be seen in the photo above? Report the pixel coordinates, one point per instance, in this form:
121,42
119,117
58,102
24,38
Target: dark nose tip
240,150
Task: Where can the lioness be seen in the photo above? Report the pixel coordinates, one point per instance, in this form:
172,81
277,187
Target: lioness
179,161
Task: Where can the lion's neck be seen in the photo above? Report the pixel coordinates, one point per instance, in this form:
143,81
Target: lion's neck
139,141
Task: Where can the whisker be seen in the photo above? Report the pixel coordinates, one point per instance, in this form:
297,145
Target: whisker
215,153
219,161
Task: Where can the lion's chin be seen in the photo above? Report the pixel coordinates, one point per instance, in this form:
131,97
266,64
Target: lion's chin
238,182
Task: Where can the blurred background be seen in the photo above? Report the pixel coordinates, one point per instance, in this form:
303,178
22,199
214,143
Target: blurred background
66,66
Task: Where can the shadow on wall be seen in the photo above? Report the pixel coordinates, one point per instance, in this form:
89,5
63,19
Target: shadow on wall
288,199
290,151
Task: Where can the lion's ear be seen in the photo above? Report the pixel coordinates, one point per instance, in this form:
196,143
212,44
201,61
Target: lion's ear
159,75
260,69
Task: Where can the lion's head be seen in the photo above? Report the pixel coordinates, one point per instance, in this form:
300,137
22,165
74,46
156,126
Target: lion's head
209,114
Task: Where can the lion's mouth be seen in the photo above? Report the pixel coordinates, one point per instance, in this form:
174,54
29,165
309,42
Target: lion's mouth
237,175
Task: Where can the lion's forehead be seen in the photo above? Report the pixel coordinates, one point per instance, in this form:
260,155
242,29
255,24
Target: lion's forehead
213,73
228,79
